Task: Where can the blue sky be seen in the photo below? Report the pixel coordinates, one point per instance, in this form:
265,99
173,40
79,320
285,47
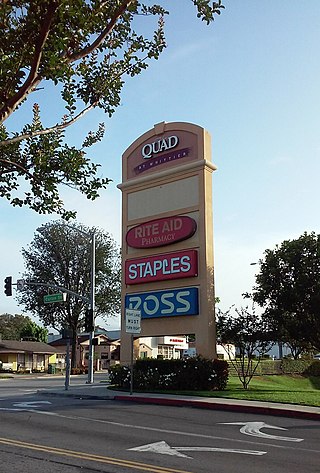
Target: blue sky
252,80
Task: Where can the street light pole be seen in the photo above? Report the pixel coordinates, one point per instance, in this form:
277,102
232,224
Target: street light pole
92,306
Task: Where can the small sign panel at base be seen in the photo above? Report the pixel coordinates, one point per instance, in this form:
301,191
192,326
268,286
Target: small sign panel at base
133,321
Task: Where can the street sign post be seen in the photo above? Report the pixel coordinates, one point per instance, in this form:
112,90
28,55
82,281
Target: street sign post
61,297
133,325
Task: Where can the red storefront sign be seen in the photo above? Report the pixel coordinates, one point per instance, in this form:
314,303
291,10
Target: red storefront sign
181,264
161,232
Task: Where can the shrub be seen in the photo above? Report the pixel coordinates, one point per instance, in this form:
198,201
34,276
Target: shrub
313,369
183,374
120,376
77,371
294,366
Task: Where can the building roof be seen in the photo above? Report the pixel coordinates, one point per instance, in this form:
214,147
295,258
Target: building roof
82,338
114,334
59,342
17,346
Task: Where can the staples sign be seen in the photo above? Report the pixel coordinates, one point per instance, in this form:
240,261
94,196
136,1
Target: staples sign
181,264
161,232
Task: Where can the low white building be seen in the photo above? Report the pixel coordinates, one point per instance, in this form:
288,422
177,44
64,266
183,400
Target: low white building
226,352
176,346
167,347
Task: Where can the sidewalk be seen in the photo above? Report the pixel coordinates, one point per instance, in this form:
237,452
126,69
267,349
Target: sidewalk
100,391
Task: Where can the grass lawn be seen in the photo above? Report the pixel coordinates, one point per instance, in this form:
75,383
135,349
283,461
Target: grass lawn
272,388
292,389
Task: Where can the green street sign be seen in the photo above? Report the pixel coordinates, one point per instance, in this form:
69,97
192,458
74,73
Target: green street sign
54,298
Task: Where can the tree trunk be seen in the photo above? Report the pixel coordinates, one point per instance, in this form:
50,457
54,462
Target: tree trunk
74,349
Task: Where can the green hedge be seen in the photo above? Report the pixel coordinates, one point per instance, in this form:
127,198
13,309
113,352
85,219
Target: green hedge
194,374
313,369
285,366
265,367
294,366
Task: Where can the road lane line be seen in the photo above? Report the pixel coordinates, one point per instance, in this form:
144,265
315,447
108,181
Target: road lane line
167,431
90,457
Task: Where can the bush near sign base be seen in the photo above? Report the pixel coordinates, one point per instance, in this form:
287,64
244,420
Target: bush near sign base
195,374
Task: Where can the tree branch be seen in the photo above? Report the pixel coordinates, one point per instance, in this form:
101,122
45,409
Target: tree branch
16,165
33,78
46,131
99,40
61,126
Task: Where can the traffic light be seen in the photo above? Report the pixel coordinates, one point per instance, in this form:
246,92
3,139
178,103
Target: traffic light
88,323
8,286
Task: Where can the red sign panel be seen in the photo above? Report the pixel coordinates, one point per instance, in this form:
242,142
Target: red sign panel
181,264
161,232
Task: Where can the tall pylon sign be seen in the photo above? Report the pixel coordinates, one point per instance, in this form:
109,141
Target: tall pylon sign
167,235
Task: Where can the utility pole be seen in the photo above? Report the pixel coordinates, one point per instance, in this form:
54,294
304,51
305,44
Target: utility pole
92,307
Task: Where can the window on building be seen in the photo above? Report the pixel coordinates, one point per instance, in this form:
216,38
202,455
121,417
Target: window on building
166,351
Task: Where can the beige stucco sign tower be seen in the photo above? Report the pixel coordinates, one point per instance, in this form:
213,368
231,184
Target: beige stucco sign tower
167,235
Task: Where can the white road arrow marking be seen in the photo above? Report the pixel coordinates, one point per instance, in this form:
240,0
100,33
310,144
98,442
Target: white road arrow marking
30,404
253,429
164,449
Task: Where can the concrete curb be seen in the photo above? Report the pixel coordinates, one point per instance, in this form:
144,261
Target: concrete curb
292,411
253,409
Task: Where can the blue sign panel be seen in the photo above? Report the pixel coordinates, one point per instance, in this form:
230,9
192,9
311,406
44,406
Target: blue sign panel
170,302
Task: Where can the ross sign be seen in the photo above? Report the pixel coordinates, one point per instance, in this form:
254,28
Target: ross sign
161,232
181,264
133,321
55,298
182,301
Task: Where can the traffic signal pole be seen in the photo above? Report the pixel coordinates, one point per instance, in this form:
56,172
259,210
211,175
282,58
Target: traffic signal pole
92,307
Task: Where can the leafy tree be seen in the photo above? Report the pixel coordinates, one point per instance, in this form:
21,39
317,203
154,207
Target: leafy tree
85,49
34,332
60,256
11,326
288,286
15,327
248,331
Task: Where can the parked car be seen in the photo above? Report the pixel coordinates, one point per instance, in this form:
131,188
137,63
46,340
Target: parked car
7,367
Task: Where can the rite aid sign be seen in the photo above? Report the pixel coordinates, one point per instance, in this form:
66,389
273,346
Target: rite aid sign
161,232
180,264
167,303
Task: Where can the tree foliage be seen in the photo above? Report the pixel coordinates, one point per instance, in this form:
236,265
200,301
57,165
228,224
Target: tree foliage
15,327
34,332
249,332
60,256
288,286
84,48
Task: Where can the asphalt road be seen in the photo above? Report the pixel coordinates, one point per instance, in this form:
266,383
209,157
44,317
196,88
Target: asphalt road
67,435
